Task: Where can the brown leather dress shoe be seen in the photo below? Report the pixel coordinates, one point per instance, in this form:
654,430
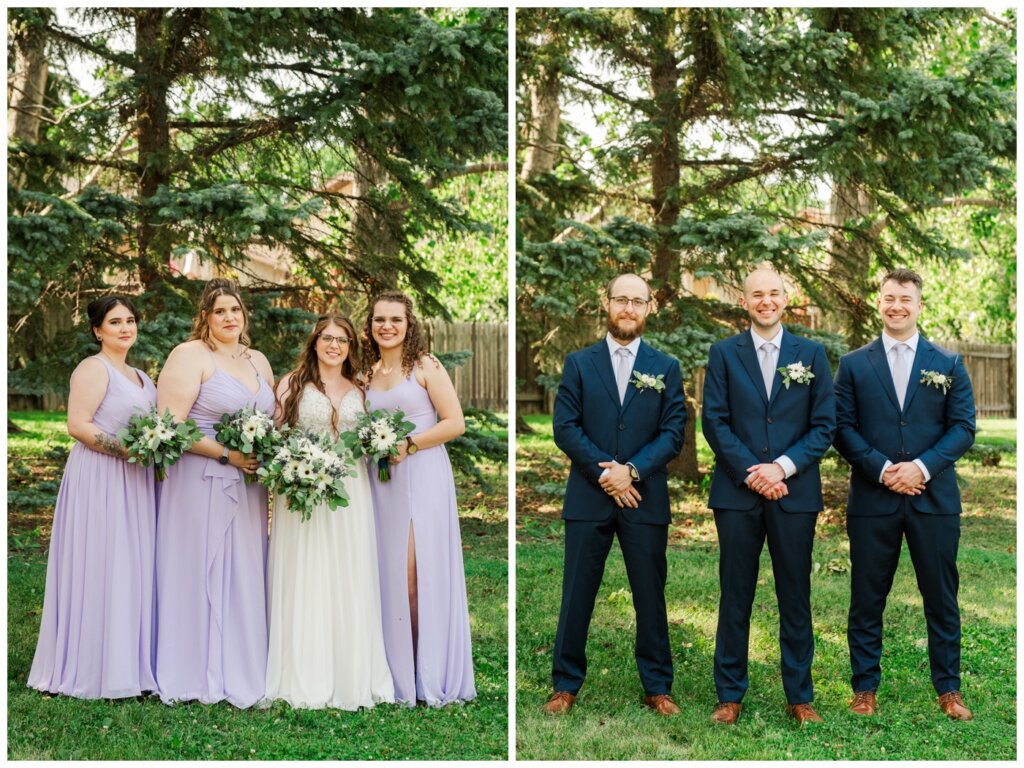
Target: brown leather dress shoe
726,712
559,703
864,703
953,706
803,713
662,704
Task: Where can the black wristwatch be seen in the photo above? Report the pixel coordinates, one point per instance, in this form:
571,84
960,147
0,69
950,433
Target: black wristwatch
223,459
633,473
410,446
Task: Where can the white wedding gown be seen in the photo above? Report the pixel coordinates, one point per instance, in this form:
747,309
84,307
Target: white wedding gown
323,593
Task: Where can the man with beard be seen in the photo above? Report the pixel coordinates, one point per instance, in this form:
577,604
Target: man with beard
769,416
619,417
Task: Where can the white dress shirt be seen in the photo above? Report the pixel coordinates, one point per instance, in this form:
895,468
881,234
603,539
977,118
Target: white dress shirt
783,461
613,345
889,342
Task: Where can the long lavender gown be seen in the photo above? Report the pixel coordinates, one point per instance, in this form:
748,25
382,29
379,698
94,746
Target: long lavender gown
211,555
96,635
421,495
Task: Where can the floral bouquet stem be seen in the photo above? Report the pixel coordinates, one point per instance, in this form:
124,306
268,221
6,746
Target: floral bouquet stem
377,436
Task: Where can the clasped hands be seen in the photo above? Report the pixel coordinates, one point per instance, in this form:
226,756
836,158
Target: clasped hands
767,480
617,483
905,477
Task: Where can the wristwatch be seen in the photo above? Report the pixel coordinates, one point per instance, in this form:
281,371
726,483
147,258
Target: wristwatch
410,446
633,473
223,459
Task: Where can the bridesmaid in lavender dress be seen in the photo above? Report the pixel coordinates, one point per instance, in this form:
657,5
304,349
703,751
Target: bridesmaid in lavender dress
96,635
423,586
211,544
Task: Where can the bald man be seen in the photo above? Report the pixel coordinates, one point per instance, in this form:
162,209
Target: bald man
769,416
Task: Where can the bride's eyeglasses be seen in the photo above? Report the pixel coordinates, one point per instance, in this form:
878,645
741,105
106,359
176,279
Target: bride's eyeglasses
327,339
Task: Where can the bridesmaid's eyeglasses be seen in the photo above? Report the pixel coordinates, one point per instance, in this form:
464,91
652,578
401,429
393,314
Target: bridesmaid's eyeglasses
327,339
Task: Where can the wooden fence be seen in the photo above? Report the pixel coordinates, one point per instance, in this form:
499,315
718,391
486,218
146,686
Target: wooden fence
993,372
483,381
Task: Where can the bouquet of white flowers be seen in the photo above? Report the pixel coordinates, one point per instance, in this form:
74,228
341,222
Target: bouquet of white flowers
158,440
378,435
309,469
251,432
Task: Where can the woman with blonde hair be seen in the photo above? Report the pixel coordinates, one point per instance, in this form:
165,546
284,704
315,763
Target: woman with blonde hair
211,545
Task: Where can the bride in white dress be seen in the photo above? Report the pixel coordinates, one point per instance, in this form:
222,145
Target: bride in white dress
326,638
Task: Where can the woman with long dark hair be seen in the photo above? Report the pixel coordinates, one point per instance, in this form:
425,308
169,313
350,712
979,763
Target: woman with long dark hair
211,546
96,634
423,586
326,642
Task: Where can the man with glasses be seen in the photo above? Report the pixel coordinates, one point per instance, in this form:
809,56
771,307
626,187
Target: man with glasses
769,416
619,417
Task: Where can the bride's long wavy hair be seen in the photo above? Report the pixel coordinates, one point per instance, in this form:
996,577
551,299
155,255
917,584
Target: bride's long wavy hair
307,370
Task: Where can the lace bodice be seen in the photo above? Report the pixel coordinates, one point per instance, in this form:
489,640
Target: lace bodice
315,410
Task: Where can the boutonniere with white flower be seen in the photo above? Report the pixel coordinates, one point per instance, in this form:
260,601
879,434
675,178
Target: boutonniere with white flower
795,372
644,381
936,379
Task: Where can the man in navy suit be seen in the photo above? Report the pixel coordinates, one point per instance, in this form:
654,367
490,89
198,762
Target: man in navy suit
769,416
905,412
619,417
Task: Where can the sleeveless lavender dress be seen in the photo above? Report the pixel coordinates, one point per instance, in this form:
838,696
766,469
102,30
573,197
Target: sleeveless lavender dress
96,638
211,555
421,496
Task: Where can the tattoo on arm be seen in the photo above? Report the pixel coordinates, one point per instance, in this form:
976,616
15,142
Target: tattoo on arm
108,444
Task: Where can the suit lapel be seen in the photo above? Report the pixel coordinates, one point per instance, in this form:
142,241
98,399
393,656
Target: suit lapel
876,355
921,362
602,362
748,356
642,364
787,355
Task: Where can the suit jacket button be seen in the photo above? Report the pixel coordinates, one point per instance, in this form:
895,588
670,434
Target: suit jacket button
771,420
621,427
764,450
903,423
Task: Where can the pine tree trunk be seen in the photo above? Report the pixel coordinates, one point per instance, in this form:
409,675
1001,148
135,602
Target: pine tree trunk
25,95
665,174
540,157
154,247
851,262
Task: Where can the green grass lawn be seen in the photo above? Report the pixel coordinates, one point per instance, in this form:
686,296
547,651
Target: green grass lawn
43,727
609,721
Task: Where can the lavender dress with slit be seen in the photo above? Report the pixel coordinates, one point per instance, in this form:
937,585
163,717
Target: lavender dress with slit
211,555
96,635
420,497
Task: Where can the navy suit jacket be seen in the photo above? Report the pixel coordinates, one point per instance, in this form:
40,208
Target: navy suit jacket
934,426
591,426
744,428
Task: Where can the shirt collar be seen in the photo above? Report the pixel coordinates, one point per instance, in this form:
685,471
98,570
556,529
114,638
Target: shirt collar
633,346
760,342
889,342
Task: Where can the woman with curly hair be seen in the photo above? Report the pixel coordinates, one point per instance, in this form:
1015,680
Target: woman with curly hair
323,593
423,586
211,537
